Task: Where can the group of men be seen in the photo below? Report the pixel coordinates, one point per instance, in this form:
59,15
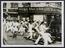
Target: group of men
25,26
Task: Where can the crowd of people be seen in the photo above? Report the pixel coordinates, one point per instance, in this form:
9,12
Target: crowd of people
31,27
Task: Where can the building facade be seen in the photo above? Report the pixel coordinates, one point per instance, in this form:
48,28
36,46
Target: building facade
16,10
42,11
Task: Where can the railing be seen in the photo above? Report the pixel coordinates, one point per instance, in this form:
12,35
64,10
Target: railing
38,9
34,10
12,10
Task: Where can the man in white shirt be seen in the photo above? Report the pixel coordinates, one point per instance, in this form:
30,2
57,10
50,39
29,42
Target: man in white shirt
30,30
8,26
42,34
4,33
21,29
14,28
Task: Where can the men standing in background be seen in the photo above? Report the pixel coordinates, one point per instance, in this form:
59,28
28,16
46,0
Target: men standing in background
30,29
4,31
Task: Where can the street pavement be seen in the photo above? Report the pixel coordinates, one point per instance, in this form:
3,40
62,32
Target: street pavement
22,41
19,41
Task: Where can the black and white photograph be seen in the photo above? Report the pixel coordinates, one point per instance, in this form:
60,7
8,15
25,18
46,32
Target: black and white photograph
32,23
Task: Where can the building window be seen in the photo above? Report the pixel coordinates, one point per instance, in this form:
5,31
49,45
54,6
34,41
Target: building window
4,10
58,4
47,2
4,5
26,4
14,5
37,2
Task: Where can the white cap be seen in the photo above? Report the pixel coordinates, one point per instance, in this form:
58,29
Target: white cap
45,22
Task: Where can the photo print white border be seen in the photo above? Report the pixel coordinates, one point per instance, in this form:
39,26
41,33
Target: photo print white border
2,45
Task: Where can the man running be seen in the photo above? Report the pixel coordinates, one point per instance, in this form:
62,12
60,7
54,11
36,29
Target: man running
42,34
